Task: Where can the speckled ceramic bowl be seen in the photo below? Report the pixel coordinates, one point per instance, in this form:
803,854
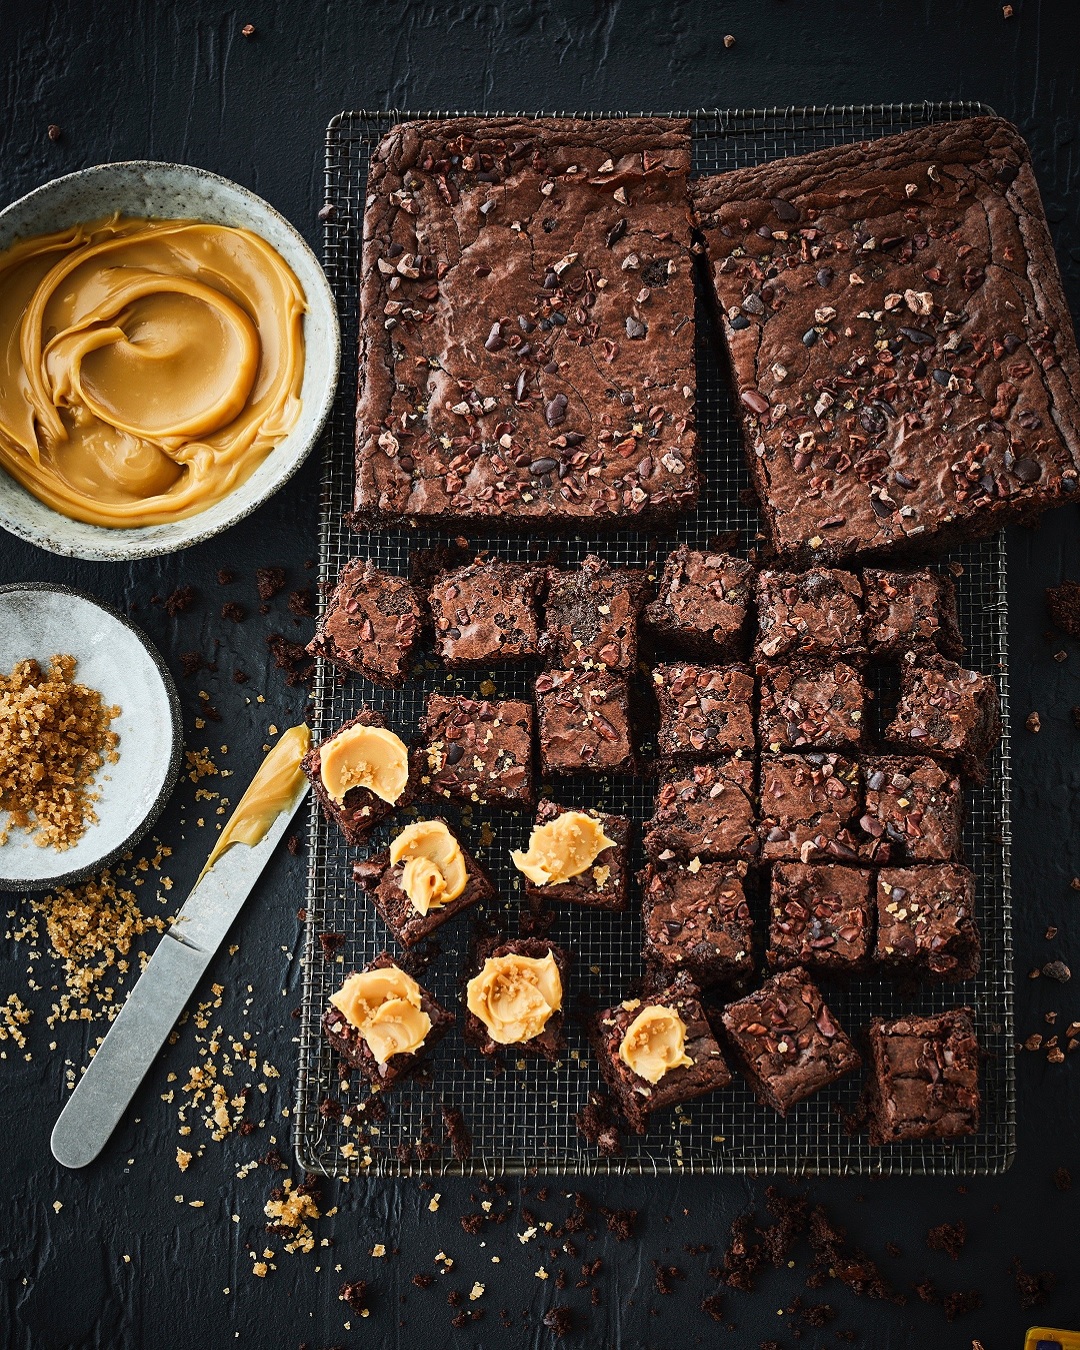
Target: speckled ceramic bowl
120,662
144,188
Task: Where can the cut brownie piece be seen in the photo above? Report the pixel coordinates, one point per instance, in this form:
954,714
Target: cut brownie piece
667,1036
808,706
350,757
926,922
913,810
902,352
599,878
527,324
516,997
924,1077
592,616
370,1015
910,611
702,604
704,710
486,612
584,722
1063,603
816,613
389,889
696,919
820,917
809,804
705,812
946,711
787,1042
478,751
370,624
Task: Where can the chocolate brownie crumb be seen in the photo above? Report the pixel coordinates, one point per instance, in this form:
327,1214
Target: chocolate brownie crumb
473,1223
423,1280
665,1275
948,1238
293,658
961,1302
354,1293
834,1259
294,845
457,1134
791,1213
1063,1179
927,1292
331,944
225,576
893,1249
240,677
180,601
269,581
1063,603
233,610
302,602
191,663
713,1305
808,1316
1035,1287
330,1108
620,1222
743,1255
560,1320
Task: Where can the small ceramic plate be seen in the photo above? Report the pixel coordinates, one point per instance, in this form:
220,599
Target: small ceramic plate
115,658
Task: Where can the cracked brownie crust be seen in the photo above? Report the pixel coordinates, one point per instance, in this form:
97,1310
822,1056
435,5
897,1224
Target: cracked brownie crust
370,625
705,812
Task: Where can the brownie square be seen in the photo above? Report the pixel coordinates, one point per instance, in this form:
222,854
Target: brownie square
584,723
809,805
702,604
817,613
527,325
808,706
926,922
370,624
603,885
704,710
360,810
354,1050
913,811
946,711
705,811
820,917
637,1098
696,919
592,616
486,612
902,353
910,611
924,1077
551,1041
478,751
787,1042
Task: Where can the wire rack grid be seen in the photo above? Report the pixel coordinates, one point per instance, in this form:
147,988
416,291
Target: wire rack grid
522,1120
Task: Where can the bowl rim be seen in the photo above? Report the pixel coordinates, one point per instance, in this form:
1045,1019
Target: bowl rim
129,544
168,786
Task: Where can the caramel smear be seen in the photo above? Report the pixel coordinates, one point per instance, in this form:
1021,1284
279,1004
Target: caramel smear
147,367
369,757
515,995
563,848
655,1043
384,1006
434,873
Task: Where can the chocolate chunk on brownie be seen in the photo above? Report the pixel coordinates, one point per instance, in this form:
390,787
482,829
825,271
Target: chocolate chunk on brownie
902,353
696,919
527,325
592,616
603,884
705,811
817,613
359,809
806,705
550,1040
584,722
820,917
478,751
704,710
486,612
946,711
639,1097
1063,604
370,624
910,611
913,810
702,604
809,805
924,1077
926,922
786,1041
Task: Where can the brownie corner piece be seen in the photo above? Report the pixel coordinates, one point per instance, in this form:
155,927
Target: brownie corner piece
551,1040
704,710
810,705
584,723
926,922
817,613
820,917
703,601
696,918
946,711
704,811
486,612
370,624
360,810
924,1077
477,750
604,883
910,610
591,616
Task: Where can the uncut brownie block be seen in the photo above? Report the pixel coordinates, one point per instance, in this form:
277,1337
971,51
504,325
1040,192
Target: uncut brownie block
809,804
913,810
816,613
706,812
808,706
902,353
603,885
704,710
360,810
820,917
478,751
485,612
907,611
637,1098
924,1077
370,624
527,329
551,1040
696,918
925,922
592,616
584,722
786,1040
946,711
702,604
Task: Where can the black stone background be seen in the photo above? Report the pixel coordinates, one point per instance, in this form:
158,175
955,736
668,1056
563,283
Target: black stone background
179,82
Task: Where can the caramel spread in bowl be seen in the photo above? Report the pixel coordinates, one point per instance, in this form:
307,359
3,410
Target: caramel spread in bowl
515,995
147,367
654,1043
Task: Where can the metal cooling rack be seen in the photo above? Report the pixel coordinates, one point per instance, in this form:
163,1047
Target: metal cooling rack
523,1120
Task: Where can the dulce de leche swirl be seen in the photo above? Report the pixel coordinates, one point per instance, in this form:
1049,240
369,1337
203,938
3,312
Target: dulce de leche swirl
147,367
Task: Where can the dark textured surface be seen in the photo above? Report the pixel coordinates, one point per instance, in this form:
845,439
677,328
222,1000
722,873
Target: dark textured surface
180,82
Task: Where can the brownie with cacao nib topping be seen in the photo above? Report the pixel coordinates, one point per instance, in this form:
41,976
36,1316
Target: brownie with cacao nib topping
704,710
924,1077
908,611
901,349
591,616
696,918
360,810
809,805
817,613
702,604
605,882
370,624
806,705
913,810
527,325
585,725
926,922
820,917
948,712
478,751
486,612
705,811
